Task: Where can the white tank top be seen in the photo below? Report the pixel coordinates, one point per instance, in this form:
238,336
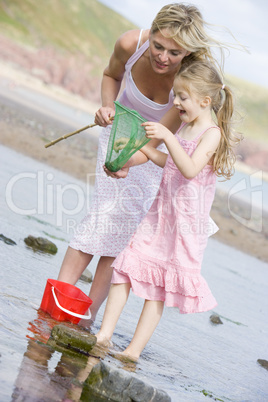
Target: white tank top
134,99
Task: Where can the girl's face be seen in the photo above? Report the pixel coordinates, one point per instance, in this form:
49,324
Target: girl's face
165,54
188,104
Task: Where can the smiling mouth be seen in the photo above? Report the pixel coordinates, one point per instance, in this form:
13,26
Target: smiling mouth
160,65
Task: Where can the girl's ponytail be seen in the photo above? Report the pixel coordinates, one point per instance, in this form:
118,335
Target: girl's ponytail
225,156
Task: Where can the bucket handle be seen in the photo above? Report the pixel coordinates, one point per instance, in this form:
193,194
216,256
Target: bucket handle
85,317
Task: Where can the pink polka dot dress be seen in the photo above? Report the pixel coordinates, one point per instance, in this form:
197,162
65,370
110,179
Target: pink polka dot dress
162,260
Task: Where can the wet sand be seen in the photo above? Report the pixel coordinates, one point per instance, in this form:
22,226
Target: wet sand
26,126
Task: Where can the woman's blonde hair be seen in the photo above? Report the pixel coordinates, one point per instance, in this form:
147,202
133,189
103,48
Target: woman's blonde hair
204,79
185,25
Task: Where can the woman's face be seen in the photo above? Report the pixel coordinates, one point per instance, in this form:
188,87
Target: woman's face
165,54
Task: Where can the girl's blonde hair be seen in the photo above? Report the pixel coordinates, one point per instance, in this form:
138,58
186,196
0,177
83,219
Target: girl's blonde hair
185,25
203,79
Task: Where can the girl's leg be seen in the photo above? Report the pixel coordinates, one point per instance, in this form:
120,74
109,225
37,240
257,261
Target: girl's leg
117,298
73,265
149,319
101,284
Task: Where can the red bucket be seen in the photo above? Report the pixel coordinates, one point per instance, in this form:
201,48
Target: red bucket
65,302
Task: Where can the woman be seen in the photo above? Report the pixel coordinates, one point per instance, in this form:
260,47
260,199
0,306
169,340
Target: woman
149,61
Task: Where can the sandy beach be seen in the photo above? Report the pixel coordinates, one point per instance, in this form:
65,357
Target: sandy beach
26,126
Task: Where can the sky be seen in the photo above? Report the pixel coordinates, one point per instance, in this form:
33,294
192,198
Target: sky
246,19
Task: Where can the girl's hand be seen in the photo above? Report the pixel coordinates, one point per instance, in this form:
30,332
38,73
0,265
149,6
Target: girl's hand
156,131
104,116
120,174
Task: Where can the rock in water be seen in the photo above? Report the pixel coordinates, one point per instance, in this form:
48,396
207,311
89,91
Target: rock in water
8,241
41,244
215,319
109,384
263,363
78,340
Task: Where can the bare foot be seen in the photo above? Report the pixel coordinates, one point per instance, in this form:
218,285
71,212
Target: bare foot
130,357
123,357
103,341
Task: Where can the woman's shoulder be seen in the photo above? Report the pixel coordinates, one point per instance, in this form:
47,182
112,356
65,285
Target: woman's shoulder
127,42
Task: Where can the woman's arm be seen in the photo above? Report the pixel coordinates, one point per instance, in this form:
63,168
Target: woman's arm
113,75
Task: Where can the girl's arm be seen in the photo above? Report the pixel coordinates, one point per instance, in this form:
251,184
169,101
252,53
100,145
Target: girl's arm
189,166
157,157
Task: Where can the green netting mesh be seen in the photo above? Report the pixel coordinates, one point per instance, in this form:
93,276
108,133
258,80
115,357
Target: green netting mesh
127,136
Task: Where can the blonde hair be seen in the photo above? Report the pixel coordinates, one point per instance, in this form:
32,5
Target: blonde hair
203,79
185,25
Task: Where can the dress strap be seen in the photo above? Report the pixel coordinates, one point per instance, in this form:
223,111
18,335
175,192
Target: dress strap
203,132
199,135
138,44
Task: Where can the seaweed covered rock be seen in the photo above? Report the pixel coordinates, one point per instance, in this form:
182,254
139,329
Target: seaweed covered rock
41,244
78,340
105,383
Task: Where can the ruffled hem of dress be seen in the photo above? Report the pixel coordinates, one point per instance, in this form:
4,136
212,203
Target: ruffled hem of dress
186,281
179,288
185,304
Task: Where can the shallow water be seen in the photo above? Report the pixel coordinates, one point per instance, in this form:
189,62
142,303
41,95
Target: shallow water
188,357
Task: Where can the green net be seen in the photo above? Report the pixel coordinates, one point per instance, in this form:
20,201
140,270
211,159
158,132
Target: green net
127,136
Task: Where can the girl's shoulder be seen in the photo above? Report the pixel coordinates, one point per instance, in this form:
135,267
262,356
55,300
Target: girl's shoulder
210,136
211,131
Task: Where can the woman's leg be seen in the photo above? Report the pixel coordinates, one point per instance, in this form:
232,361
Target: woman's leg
149,319
117,298
73,265
101,284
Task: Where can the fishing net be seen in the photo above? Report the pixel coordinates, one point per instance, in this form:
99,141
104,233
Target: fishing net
127,136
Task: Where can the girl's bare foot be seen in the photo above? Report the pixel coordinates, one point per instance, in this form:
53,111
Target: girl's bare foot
123,357
103,341
130,357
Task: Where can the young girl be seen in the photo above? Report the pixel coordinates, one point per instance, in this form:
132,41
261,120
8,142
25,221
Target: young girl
162,261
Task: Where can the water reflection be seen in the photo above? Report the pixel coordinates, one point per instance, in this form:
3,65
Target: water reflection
54,374
46,374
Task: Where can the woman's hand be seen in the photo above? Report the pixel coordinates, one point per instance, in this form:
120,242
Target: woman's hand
104,116
120,174
156,131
